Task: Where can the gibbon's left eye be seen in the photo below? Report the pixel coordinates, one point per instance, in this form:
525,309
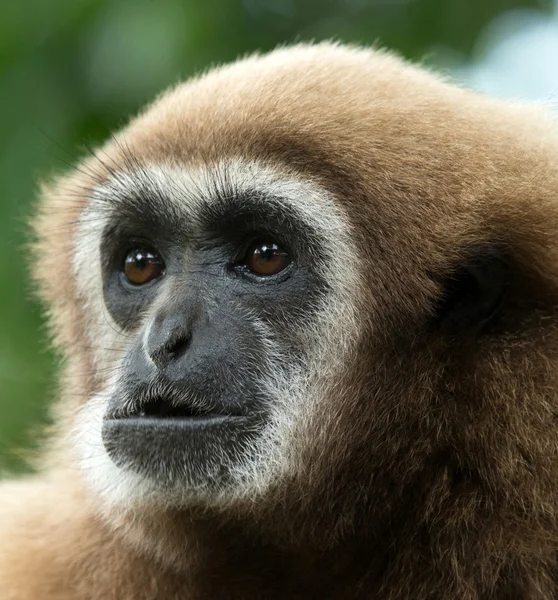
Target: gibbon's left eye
266,258
142,265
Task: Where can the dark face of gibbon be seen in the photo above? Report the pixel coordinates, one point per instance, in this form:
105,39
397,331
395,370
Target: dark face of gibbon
214,299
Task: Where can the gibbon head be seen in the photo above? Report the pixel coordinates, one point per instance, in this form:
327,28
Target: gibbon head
321,278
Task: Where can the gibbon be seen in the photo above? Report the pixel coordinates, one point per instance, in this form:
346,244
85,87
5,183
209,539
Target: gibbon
308,309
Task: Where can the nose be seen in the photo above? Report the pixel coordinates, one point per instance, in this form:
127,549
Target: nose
167,340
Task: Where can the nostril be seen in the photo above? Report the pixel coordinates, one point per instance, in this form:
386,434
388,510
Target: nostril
171,349
178,346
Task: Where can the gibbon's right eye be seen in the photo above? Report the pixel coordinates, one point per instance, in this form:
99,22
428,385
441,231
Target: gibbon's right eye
266,258
142,265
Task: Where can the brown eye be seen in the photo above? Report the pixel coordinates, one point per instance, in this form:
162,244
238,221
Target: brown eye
142,265
266,258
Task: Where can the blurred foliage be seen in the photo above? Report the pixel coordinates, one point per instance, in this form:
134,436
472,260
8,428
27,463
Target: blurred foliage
72,70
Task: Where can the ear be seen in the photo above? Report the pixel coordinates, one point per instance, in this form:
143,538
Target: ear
474,292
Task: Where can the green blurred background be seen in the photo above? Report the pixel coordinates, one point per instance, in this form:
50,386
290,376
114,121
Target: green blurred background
72,70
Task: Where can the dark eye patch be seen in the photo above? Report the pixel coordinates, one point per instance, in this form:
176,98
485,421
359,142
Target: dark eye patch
214,239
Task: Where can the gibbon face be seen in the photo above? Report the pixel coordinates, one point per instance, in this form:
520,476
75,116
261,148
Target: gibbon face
219,285
317,278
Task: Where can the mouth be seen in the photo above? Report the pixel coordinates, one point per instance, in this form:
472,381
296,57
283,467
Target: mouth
162,409
165,413
172,405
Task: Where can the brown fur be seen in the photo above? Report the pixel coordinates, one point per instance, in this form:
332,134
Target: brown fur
433,472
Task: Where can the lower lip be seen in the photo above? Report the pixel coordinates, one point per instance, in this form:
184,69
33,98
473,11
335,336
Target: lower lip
174,449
